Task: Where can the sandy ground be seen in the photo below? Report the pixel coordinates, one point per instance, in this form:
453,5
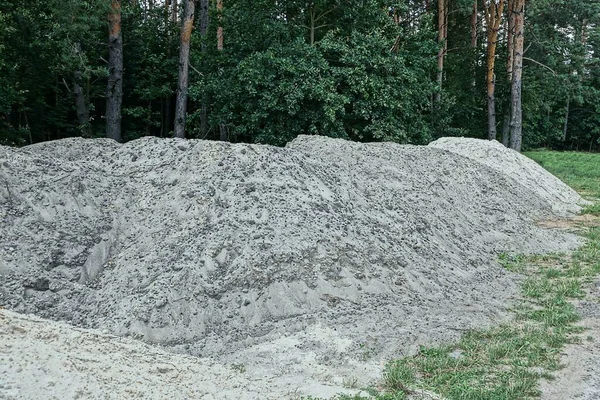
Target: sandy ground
41,359
285,271
580,379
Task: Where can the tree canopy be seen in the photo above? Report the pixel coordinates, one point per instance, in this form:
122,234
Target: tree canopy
365,70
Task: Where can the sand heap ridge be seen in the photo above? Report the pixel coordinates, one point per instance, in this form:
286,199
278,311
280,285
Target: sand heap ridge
564,200
216,249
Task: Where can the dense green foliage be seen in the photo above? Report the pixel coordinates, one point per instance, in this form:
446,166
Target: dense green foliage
342,68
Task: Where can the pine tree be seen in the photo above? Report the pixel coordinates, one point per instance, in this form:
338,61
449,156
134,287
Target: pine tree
493,16
114,88
184,64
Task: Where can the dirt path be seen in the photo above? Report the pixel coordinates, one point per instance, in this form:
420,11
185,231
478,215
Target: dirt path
580,379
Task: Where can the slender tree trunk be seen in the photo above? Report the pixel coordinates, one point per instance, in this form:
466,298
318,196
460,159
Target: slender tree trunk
566,125
204,20
493,16
516,121
443,45
474,40
174,11
114,88
184,64
584,25
510,43
149,120
312,26
27,127
167,99
83,112
223,136
220,28
506,128
510,38
474,25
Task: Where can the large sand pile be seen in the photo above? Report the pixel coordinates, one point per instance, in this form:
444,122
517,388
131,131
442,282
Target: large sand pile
564,200
346,252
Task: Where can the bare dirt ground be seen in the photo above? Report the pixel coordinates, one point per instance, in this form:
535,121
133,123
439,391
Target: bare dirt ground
580,379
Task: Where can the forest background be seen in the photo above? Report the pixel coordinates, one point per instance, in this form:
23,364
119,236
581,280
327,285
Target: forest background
265,71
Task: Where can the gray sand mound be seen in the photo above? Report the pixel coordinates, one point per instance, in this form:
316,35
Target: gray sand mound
223,250
48,357
564,200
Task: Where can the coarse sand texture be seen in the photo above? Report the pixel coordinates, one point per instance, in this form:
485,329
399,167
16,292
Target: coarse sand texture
309,263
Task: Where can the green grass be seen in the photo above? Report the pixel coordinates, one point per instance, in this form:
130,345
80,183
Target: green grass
507,361
581,171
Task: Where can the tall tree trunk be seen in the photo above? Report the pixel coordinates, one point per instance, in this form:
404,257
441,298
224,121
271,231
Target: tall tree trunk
167,116
584,25
566,125
443,44
516,120
83,112
510,43
506,128
222,128
312,26
474,25
174,11
493,16
114,88
219,28
184,64
474,39
204,20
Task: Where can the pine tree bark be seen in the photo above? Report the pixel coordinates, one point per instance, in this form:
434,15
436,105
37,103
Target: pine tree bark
114,88
566,124
474,25
510,43
174,11
219,28
516,120
204,21
443,45
168,98
223,136
493,16
83,112
184,64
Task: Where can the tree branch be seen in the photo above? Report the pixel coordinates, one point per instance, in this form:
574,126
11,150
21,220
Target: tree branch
323,14
192,67
540,64
66,85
